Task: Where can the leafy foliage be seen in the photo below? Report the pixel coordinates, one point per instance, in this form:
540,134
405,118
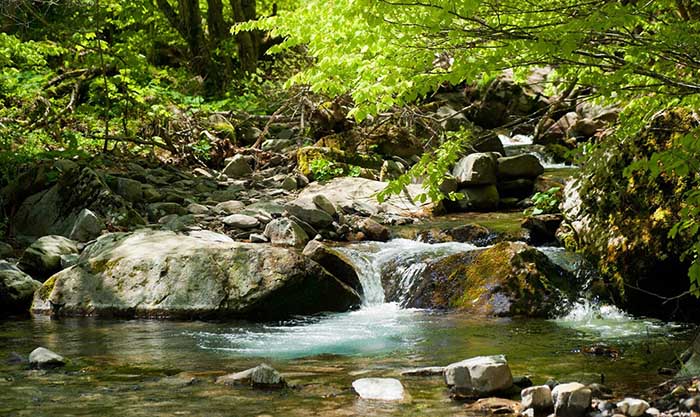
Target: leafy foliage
641,56
324,170
100,75
432,169
384,53
545,202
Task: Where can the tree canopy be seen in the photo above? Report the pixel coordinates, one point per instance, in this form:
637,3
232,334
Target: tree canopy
640,56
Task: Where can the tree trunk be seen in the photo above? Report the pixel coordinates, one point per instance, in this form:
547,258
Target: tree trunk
219,31
188,22
248,42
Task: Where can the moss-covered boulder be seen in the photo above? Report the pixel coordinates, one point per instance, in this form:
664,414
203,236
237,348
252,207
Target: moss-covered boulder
508,279
387,140
308,154
205,275
621,217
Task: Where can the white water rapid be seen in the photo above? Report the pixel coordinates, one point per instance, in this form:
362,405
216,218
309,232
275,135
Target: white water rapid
519,144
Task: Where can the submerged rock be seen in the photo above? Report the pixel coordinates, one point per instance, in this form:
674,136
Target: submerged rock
479,376
16,289
164,274
43,257
42,358
262,376
385,389
472,233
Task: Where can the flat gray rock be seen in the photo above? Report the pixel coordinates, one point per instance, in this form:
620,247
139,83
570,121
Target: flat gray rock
241,221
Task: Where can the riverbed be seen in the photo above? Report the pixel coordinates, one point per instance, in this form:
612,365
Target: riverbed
159,368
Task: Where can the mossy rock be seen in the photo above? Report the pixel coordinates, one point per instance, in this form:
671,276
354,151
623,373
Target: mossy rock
387,140
45,290
508,279
308,154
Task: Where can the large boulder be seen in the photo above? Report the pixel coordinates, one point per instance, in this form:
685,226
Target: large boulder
306,210
388,140
308,154
54,211
539,398
237,166
87,226
16,289
476,169
241,221
479,198
542,227
6,250
479,376
691,360
354,194
164,274
633,407
507,279
43,257
519,166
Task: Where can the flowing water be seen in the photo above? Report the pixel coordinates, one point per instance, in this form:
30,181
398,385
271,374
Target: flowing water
519,144
159,368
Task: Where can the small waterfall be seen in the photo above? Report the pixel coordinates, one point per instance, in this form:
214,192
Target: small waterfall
407,257
520,144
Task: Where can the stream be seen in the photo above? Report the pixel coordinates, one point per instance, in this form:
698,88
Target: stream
159,368
165,368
